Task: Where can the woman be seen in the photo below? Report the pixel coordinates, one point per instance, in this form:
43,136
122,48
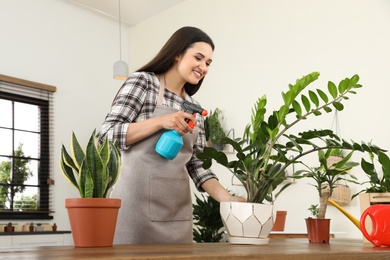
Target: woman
155,192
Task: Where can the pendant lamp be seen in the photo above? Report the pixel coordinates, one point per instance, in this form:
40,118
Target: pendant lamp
121,70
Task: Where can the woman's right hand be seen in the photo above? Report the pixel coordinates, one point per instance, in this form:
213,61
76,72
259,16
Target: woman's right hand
177,121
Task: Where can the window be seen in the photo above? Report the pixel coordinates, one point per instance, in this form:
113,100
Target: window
25,148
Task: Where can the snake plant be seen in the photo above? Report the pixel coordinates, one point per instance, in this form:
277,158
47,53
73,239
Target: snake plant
267,149
93,171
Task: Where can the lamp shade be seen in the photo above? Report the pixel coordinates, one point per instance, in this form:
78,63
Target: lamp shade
121,70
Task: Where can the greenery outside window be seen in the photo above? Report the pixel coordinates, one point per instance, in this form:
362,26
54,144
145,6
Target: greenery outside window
25,148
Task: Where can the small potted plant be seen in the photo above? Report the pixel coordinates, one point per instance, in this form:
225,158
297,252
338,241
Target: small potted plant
31,227
54,227
39,227
325,179
215,129
9,228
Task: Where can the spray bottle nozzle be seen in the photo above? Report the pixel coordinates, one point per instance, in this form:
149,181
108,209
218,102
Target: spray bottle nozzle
193,109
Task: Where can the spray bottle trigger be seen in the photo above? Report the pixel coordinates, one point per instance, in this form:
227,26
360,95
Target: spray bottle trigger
190,123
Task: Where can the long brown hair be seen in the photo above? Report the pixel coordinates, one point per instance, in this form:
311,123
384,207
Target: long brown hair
176,45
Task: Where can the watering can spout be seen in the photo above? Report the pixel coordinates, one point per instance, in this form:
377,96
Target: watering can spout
347,214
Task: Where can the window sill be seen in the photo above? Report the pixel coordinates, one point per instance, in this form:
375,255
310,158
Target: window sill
35,233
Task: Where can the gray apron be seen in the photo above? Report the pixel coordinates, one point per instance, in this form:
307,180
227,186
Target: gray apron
155,192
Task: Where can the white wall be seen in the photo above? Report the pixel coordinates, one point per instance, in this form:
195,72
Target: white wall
261,46
57,43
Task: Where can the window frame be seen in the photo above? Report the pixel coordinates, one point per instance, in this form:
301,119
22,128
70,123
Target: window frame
45,182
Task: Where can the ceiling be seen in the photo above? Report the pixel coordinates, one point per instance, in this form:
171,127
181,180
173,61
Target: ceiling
132,11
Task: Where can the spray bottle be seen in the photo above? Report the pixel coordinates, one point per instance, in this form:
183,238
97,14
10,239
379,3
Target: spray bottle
171,141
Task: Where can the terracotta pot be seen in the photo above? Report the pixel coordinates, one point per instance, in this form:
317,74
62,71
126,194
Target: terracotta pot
9,229
54,228
31,228
93,220
280,221
318,230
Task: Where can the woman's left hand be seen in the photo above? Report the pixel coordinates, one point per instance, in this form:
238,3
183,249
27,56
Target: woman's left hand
237,199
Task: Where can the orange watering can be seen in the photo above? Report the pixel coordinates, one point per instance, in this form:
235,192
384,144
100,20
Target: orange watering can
380,217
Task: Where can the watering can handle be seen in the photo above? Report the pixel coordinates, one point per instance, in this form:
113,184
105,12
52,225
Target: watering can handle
364,231
363,226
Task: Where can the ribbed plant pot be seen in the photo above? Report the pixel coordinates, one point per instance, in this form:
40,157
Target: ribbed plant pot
318,230
93,220
247,223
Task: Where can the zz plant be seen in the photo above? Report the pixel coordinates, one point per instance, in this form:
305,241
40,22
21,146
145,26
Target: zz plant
267,149
93,171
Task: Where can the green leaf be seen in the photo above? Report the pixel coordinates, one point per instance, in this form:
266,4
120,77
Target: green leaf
82,180
273,121
314,98
354,80
343,86
77,152
305,102
95,168
297,108
113,167
66,170
282,113
323,96
338,106
328,109
287,97
332,89
67,159
385,162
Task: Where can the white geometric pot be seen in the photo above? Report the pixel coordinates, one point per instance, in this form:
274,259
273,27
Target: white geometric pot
247,223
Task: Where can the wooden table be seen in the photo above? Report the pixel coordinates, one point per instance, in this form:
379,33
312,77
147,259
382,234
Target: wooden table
296,248
283,234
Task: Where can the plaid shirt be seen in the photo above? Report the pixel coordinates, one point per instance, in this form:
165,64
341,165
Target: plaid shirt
135,102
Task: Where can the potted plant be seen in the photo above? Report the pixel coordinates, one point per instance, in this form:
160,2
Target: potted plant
39,227
379,182
215,129
325,179
9,228
54,227
341,193
93,172
31,227
207,220
266,150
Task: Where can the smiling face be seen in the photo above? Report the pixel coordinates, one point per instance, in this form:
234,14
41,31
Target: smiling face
194,64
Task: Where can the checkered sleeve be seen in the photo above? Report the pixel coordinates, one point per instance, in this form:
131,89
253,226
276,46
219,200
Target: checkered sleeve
126,108
198,174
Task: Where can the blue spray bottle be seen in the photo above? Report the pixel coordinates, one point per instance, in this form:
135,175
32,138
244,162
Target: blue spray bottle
171,141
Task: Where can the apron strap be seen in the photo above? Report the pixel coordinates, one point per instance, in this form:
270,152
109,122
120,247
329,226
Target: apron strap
161,91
